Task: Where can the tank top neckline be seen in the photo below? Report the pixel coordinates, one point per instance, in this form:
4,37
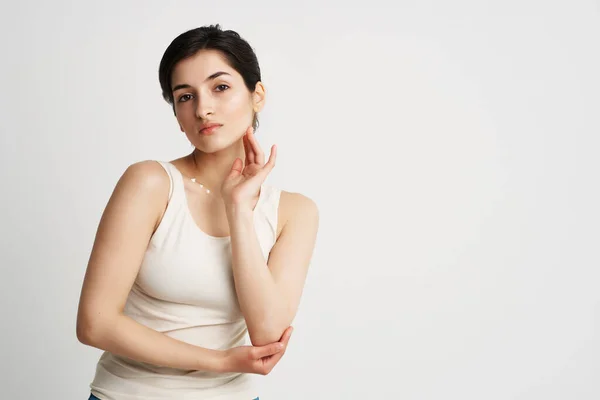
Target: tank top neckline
189,215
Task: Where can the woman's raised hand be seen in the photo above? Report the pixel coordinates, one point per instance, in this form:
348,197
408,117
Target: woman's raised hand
243,183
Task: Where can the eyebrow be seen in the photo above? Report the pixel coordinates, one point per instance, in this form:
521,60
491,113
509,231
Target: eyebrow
213,76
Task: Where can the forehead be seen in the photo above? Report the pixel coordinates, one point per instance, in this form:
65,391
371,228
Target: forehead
195,69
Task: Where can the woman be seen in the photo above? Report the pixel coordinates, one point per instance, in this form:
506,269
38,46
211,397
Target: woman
193,254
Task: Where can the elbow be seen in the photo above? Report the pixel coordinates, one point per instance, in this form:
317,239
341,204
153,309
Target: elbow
264,336
89,330
267,332
269,327
86,331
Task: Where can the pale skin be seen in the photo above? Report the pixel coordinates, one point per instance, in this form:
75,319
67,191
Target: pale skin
232,164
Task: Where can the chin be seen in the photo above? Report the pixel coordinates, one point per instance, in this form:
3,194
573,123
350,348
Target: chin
213,144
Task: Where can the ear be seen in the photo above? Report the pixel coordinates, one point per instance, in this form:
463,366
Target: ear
258,97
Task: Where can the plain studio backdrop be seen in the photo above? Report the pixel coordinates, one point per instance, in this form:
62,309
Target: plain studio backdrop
452,149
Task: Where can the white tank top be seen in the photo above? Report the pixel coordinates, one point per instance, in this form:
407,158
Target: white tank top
185,289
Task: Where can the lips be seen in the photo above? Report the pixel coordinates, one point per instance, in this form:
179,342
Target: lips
210,128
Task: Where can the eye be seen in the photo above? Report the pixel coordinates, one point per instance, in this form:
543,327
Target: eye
222,85
184,98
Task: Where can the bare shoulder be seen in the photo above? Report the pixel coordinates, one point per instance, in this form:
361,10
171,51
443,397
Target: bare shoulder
144,184
296,206
298,203
147,174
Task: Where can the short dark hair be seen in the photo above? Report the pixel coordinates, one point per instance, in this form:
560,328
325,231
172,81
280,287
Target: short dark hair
237,52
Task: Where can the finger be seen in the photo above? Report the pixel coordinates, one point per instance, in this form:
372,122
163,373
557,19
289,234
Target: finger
268,350
259,155
248,148
268,167
285,338
274,359
271,362
236,168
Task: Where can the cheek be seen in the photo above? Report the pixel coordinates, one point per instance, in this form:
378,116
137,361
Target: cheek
237,103
185,113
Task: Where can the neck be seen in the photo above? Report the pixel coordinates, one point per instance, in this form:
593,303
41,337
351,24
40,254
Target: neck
210,169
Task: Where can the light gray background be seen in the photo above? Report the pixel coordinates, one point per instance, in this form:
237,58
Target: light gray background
452,148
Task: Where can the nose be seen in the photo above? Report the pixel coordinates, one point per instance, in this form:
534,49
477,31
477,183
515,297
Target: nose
204,106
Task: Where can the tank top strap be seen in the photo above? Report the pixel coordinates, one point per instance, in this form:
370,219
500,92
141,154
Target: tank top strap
269,200
175,180
268,208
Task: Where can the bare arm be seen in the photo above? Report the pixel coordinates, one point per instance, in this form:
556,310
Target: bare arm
269,291
127,224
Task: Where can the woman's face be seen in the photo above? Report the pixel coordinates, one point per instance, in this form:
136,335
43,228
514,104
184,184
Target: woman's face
206,90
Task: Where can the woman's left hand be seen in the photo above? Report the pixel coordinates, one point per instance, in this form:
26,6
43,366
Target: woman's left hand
243,183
